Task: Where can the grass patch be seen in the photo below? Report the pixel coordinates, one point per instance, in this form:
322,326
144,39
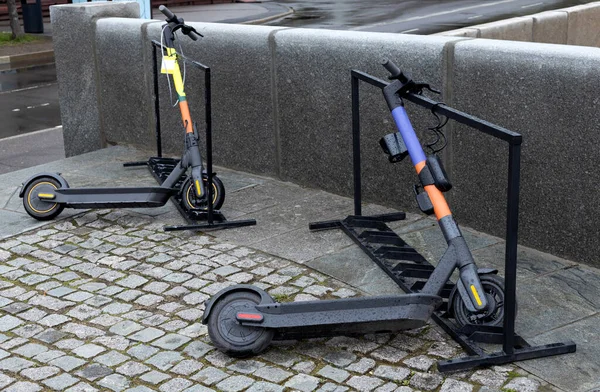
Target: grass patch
5,39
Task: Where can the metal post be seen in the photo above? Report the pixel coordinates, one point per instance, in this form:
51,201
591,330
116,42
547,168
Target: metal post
512,227
356,146
208,114
156,105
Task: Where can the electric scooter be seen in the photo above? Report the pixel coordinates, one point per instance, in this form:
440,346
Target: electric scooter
243,319
45,195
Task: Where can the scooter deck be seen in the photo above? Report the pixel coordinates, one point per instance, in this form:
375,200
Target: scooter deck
300,320
114,197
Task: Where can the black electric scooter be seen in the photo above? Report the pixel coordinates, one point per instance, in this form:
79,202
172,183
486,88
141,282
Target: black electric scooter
45,195
242,319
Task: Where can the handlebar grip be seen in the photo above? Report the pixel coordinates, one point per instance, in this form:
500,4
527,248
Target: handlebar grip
166,12
391,67
193,35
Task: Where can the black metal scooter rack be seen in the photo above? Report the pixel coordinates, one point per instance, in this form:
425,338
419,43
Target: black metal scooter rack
161,167
410,270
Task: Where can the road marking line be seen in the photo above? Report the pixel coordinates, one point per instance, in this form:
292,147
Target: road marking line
532,5
27,88
474,17
408,31
437,14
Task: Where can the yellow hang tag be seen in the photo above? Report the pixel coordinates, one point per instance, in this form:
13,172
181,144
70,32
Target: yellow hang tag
168,65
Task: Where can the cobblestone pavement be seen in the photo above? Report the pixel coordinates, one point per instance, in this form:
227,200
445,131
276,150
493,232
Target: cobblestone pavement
106,300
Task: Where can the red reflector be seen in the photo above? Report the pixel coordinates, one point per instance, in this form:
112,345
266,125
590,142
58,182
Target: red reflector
250,316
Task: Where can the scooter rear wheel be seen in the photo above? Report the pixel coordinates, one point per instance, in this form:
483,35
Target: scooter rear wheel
228,335
36,207
493,286
191,202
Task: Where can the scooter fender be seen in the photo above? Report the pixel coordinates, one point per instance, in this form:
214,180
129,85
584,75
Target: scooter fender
264,297
63,183
459,285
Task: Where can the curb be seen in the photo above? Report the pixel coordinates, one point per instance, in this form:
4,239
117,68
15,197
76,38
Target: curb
34,58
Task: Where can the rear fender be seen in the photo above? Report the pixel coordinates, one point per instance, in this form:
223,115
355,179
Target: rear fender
264,297
63,183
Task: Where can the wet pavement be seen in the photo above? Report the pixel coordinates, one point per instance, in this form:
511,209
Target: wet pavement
28,100
409,16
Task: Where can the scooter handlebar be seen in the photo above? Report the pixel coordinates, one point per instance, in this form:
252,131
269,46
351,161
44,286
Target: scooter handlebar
391,67
166,12
192,34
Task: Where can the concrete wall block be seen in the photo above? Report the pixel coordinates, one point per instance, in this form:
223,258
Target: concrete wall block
514,29
314,98
242,95
125,82
584,25
74,37
550,27
549,94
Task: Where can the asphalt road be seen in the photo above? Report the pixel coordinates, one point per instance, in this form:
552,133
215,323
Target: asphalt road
409,16
28,100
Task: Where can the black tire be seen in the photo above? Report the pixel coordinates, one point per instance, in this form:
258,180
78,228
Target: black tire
37,208
493,286
191,202
228,335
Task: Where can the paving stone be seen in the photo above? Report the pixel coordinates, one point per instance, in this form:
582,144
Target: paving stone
147,335
12,343
195,298
303,382
190,314
331,387
67,362
82,331
30,350
28,331
82,387
156,287
149,300
305,367
132,281
115,342
117,308
48,356
392,373
489,378
142,351
165,360
129,295
78,296
9,322
451,385
340,358
171,341
364,383
125,328
140,388
132,368
106,320
154,377
61,382
60,291
50,302
88,350
5,380
94,371
111,358
83,312
33,314
23,386
187,367
210,376
175,385
421,362
53,320
334,374
116,382
426,381
15,364
522,384
40,373
98,300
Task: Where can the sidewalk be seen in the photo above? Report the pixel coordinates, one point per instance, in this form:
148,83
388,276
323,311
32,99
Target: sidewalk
106,300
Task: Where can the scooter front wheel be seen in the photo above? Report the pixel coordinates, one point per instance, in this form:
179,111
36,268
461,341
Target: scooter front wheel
38,207
192,202
228,335
493,315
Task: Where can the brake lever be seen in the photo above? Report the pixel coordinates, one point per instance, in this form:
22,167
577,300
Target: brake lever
185,29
